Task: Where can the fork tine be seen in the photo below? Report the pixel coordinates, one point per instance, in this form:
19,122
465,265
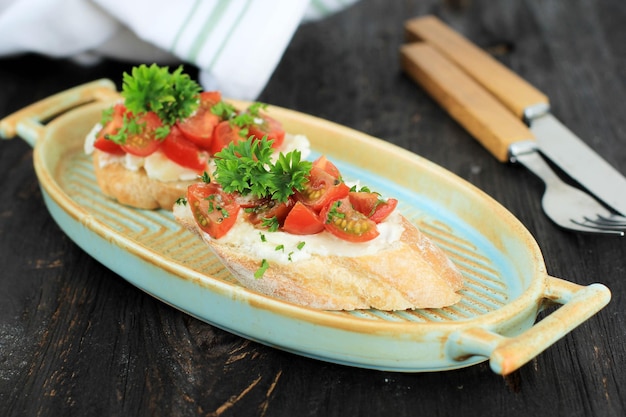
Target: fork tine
599,227
613,219
581,227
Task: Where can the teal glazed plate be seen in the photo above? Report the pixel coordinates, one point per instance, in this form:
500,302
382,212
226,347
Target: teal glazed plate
507,285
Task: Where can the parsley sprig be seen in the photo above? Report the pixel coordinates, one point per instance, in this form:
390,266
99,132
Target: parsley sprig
172,96
247,168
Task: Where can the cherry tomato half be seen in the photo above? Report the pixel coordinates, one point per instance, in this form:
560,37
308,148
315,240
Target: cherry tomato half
224,134
199,127
301,220
268,210
372,206
320,189
269,127
323,163
145,142
184,152
343,221
112,127
108,146
214,210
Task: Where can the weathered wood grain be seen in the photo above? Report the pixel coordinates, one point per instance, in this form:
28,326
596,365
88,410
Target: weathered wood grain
77,340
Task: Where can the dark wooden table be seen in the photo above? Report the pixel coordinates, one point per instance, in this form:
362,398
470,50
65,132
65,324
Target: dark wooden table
78,340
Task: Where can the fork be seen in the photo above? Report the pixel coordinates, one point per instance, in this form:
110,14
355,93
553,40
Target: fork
565,205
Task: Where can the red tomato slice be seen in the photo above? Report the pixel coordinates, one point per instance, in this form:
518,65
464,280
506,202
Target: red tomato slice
199,127
323,163
214,210
224,134
372,206
108,146
144,143
102,142
209,99
269,209
320,189
271,128
301,220
343,221
184,152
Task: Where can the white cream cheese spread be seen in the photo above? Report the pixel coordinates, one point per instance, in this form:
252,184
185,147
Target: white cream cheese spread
282,247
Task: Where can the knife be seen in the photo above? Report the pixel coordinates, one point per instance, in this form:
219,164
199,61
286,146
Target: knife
530,105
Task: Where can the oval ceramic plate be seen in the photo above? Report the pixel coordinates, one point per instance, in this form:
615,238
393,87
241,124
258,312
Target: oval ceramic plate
506,281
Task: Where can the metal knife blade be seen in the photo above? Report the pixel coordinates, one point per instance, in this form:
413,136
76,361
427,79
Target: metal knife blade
580,162
555,141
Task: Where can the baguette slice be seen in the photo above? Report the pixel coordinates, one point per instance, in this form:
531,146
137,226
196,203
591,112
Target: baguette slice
135,188
412,273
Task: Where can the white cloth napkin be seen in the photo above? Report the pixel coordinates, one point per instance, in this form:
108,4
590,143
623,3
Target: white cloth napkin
236,44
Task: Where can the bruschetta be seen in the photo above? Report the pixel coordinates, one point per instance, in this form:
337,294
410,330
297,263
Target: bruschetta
161,136
294,230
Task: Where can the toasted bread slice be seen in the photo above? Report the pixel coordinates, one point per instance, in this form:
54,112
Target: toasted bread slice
411,273
135,188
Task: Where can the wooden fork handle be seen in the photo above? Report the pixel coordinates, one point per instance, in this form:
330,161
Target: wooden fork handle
482,115
514,92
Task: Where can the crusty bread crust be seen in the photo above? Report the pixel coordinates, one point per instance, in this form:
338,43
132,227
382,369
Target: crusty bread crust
413,273
135,188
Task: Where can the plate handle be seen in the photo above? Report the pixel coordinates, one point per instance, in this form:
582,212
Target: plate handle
506,354
28,122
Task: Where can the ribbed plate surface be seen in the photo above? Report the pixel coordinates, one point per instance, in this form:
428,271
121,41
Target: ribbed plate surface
484,268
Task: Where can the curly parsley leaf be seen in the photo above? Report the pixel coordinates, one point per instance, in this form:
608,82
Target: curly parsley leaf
247,168
288,174
171,95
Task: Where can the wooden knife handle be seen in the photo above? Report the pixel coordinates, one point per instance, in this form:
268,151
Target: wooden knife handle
472,106
513,91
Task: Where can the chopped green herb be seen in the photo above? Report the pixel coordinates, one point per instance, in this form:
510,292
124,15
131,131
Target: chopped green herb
206,178
271,223
107,116
181,201
255,108
259,272
334,213
364,189
244,119
224,110
280,247
224,212
301,245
